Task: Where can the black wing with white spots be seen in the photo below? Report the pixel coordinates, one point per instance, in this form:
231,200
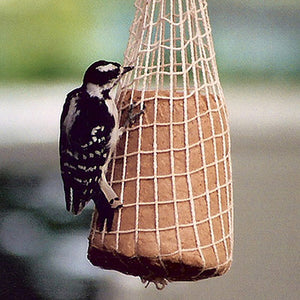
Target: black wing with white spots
85,129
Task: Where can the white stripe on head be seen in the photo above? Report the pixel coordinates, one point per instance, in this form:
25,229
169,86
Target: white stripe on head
106,68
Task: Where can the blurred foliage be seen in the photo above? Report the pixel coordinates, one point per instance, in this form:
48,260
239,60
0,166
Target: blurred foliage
56,40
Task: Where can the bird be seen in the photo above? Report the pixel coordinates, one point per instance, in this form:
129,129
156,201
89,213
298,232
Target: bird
89,132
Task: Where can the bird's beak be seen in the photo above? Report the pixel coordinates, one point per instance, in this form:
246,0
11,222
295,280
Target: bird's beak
127,69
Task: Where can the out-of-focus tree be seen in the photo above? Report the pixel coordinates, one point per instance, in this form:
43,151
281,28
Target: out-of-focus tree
55,39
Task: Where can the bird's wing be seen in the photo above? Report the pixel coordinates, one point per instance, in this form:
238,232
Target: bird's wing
83,150
70,157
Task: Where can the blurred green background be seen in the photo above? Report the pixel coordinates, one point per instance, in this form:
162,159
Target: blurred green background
45,47
56,40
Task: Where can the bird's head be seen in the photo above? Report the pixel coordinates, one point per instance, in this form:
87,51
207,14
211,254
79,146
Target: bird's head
105,74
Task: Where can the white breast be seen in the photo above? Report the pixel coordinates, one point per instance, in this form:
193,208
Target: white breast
114,137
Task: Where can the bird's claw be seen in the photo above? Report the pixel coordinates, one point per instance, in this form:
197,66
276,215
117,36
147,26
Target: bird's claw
107,214
116,203
132,117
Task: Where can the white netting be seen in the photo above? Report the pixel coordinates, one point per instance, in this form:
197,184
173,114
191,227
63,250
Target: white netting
172,169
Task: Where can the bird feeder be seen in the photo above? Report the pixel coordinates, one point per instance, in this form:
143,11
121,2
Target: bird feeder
172,169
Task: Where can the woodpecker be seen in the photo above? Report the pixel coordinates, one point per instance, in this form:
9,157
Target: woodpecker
89,132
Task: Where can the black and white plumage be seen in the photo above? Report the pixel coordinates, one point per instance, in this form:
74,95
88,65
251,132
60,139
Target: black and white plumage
89,132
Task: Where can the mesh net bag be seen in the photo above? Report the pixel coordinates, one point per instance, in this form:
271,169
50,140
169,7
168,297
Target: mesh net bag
172,169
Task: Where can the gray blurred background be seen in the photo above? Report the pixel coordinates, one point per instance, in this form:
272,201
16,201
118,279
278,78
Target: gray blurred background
45,48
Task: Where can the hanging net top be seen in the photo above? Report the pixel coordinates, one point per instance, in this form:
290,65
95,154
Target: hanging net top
172,169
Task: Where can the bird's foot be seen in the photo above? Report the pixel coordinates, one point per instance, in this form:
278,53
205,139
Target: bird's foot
106,213
116,203
133,116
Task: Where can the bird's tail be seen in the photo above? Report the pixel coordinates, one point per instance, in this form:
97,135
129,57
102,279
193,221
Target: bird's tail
74,200
105,211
